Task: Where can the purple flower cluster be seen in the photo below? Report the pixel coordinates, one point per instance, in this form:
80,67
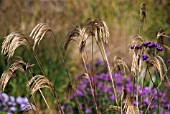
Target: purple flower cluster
149,45
168,61
145,57
11,104
105,95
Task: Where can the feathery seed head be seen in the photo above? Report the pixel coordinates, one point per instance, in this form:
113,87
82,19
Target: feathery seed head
73,35
8,74
5,77
96,28
12,42
37,82
38,33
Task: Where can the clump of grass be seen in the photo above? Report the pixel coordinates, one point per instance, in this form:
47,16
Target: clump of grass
145,56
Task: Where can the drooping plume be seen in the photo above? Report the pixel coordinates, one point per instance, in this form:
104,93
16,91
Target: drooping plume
12,42
38,33
37,82
10,72
73,35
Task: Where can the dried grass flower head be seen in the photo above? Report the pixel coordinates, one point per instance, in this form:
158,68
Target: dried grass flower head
5,77
37,82
38,33
73,35
137,48
118,62
12,42
10,72
143,12
96,28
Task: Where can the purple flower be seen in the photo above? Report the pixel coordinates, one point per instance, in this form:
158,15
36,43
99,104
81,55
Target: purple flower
168,61
118,75
88,111
21,100
62,107
127,80
146,100
102,76
105,89
81,85
152,44
12,98
167,106
135,103
145,57
79,93
146,43
129,87
159,48
138,46
132,47
99,62
99,85
10,103
5,97
112,98
13,109
27,107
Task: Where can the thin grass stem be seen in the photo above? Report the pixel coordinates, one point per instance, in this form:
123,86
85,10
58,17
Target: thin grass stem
91,87
109,71
40,92
156,91
58,102
137,80
62,58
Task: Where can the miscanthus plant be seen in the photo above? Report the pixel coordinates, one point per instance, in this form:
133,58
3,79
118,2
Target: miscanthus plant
118,89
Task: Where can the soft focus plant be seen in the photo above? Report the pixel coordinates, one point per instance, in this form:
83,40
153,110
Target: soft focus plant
116,89
10,104
105,97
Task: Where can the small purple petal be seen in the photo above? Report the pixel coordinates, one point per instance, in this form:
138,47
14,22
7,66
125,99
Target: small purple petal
13,109
88,111
132,47
21,100
159,48
145,57
5,97
12,98
138,46
112,98
168,61
79,93
99,62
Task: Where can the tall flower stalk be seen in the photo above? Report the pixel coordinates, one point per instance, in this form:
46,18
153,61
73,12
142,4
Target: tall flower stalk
98,29
75,35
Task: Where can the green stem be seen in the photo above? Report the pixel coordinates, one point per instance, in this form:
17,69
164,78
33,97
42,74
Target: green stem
143,84
156,91
58,102
61,56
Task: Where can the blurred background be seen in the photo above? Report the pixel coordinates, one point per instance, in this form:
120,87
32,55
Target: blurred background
121,16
